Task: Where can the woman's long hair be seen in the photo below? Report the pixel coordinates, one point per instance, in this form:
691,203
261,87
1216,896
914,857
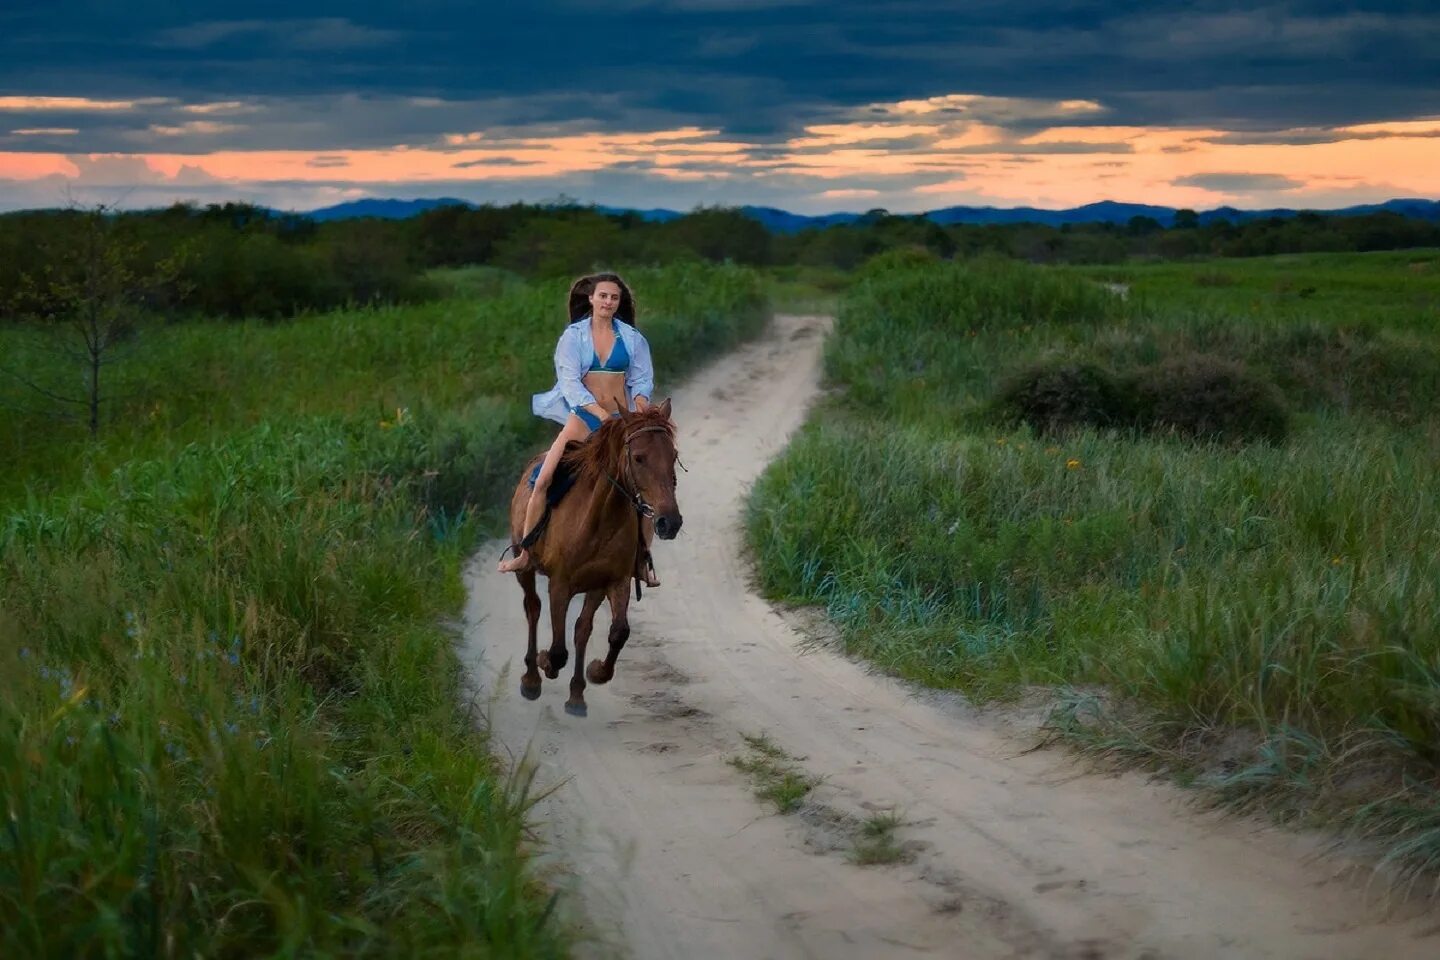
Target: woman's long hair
580,292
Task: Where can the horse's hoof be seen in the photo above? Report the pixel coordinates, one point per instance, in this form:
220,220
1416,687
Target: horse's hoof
552,662
576,709
530,690
598,672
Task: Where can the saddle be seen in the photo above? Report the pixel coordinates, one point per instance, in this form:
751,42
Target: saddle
560,485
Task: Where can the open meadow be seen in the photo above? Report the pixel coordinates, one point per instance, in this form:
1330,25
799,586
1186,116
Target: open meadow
231,719
1193,509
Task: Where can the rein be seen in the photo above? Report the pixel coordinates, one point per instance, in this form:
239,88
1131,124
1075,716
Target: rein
642,509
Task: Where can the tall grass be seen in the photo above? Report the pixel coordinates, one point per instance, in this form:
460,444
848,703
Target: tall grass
230,720
1265,616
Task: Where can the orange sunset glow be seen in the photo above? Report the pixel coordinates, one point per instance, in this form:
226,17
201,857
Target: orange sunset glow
1057,166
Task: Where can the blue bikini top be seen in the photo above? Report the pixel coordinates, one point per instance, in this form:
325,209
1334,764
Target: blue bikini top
617,362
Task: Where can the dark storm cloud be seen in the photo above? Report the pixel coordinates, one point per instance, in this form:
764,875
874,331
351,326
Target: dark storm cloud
1239,182
752,68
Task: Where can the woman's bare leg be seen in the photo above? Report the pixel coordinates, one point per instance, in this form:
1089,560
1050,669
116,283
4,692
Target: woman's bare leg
574,429
644,562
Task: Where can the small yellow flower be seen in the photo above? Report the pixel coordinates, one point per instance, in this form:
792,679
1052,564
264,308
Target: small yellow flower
1001,441
1072,464
1052,449
1334,561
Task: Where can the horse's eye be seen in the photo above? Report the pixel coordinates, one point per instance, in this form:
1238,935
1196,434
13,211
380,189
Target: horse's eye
640,459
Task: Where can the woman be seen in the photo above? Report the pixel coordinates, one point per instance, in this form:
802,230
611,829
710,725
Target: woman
588,388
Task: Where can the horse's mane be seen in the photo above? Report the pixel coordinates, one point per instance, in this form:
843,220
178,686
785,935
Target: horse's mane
601,454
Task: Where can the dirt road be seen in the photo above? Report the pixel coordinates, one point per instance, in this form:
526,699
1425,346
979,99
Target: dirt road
1010,853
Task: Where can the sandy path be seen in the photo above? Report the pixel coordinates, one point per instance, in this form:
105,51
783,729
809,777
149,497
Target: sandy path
1016,854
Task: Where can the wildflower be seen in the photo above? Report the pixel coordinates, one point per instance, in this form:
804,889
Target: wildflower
1052,449
24,653
1002,441
1334,561
1072,464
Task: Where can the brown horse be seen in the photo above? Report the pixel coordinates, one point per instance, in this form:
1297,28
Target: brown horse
624,472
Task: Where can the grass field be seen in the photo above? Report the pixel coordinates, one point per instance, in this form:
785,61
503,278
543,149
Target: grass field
1260,614
230,718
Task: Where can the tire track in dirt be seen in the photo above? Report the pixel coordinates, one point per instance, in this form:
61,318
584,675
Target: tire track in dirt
666,853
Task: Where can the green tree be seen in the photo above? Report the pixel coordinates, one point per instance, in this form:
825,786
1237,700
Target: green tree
84,306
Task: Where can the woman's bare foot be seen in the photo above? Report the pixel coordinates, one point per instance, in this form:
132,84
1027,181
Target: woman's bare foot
515,564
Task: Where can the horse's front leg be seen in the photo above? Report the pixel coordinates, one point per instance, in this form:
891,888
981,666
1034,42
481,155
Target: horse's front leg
552,661
530,680
601,671
575,706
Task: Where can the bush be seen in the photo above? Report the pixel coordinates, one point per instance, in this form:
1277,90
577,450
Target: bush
1209,397
1391,372
893,261
1053,396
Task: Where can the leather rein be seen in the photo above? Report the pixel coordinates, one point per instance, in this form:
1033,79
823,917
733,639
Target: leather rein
642,509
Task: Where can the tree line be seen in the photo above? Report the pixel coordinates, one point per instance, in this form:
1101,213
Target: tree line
237,260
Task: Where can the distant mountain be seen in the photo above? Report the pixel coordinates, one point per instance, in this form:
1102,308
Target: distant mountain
652,216
385,209
1106,211
782,221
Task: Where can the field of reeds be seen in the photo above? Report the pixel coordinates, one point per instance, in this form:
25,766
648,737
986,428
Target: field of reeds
231,718
1198,513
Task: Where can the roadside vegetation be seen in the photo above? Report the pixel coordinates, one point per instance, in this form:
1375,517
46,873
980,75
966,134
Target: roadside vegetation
1197,511
231,717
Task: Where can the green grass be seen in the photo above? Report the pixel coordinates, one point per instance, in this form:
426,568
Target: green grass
1263,618
230,721
776,777
876,843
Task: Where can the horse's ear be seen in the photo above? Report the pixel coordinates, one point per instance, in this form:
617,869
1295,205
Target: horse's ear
665,408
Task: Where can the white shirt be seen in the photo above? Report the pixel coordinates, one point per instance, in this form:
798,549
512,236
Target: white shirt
574,353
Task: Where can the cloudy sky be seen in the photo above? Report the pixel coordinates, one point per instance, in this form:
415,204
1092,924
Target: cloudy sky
809,105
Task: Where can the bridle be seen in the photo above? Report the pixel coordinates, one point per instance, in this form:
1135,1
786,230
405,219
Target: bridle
642,509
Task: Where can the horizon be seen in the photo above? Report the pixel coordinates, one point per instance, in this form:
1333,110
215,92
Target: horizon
573,201
805,107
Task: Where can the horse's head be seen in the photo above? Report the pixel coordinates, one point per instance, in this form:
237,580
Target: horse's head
651,454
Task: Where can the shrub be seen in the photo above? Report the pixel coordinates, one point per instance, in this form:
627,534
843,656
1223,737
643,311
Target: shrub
1209,397
891,261
1391,372
1053,396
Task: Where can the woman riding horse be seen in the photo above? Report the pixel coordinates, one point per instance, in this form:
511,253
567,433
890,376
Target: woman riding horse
589,390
